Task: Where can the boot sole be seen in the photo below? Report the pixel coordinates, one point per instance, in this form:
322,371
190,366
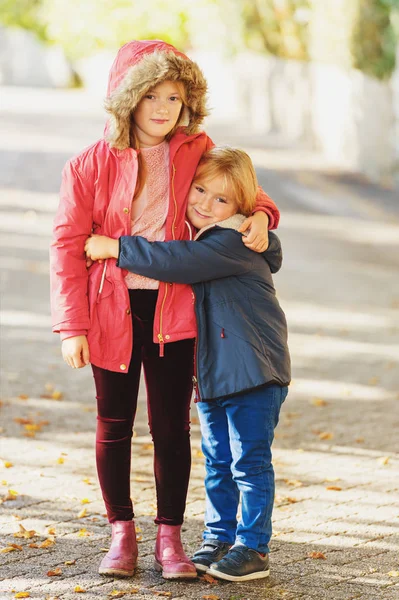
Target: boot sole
249,577
116,572
188,575
201,568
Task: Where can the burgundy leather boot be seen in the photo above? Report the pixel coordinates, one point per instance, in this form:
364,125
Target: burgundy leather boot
121,559
170,557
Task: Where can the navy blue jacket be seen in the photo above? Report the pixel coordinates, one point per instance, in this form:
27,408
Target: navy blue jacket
242,331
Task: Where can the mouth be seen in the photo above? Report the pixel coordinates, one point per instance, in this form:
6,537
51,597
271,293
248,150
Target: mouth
160,121
201,215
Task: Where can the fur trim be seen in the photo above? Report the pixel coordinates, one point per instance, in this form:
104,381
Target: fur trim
233,222
151,70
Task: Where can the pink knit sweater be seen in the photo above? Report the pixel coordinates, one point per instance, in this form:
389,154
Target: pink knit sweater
150,209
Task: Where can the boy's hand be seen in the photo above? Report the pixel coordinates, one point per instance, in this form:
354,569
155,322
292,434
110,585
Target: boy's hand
258,234
75,351
100,247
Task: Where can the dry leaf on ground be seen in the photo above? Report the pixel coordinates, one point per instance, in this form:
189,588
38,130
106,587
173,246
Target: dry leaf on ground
384,460
24,533
209,578
7,549
79,590
117,594
70,562
326,435
85,501
33,546
82,513
317,555
51,531
8,464
23,397
335,488
318,402
22,595
60,460
83,533
47,543
211,597
54,573
393,573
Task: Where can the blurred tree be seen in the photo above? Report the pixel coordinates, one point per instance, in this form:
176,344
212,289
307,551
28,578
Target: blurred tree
278,26
23,13
374,41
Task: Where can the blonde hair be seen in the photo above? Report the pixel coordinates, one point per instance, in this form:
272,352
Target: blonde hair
134,141
236,167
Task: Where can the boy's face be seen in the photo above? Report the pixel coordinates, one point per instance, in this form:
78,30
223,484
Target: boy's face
157,113
210,201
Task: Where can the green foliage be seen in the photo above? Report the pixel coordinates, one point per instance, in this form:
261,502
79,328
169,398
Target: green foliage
277,26
373,42
23,13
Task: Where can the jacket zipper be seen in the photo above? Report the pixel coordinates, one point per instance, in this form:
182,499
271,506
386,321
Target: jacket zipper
197,397
160,334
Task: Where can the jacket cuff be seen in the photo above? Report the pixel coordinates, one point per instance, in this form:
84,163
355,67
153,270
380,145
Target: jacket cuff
119,251
71,333
269,214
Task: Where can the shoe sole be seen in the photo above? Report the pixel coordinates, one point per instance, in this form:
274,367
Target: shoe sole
116,572
249,577
188,575
201,568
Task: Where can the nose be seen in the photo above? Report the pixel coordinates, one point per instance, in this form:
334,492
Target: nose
206,203
162,107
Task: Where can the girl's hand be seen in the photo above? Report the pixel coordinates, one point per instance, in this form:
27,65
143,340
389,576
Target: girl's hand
258,235
100,247
75,351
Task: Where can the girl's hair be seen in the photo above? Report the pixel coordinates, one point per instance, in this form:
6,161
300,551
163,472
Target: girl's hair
236,167
134,142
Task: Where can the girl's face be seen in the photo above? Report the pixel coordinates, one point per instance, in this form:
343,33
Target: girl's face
210,201
157,113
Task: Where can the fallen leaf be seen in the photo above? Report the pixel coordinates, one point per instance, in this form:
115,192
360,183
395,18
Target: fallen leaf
335,488
209,578
359,440
55,573
23,397
332,479
317,555
22,595
164,594
60,460
326,435
33,546
318,402
373,380
117,594
104,549
7,549
4,482
138,529
384,460
85,501
393,573
83,533
8,464
17,546
49,387
82,513
12,495
32,427
47,543
79,590
57,395
70,562
51,531
211,597
291,500
294,482
198,454
87,480
24,533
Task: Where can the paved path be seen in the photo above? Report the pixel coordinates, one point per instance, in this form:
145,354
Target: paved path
336,454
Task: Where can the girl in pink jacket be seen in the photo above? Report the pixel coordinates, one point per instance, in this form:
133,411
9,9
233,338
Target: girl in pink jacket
135,181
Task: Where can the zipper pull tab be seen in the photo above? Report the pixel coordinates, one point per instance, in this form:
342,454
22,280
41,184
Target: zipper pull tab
161,345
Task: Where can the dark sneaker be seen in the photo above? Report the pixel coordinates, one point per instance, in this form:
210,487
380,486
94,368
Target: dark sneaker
210,552
241,564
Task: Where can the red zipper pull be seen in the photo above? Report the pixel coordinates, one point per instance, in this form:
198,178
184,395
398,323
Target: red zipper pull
222,335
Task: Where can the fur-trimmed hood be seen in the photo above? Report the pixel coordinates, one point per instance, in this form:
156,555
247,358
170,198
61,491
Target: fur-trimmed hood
138,67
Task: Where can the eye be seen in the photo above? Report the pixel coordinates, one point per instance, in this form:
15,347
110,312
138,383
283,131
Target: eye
199,189
149,96
221,200
174,98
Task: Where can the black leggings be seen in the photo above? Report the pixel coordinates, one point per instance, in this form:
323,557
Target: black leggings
169,388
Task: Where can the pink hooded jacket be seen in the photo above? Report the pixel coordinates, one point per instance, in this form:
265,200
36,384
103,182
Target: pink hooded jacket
96,194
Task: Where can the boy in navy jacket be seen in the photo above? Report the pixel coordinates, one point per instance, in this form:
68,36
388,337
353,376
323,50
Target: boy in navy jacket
242,359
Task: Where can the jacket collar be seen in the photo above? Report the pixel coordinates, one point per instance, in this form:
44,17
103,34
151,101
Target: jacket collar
233,222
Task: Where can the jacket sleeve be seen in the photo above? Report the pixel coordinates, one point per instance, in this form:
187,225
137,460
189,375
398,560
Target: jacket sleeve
68,273
274,254
263,202
213,257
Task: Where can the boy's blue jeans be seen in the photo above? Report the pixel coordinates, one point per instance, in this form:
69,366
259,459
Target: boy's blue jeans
237,434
